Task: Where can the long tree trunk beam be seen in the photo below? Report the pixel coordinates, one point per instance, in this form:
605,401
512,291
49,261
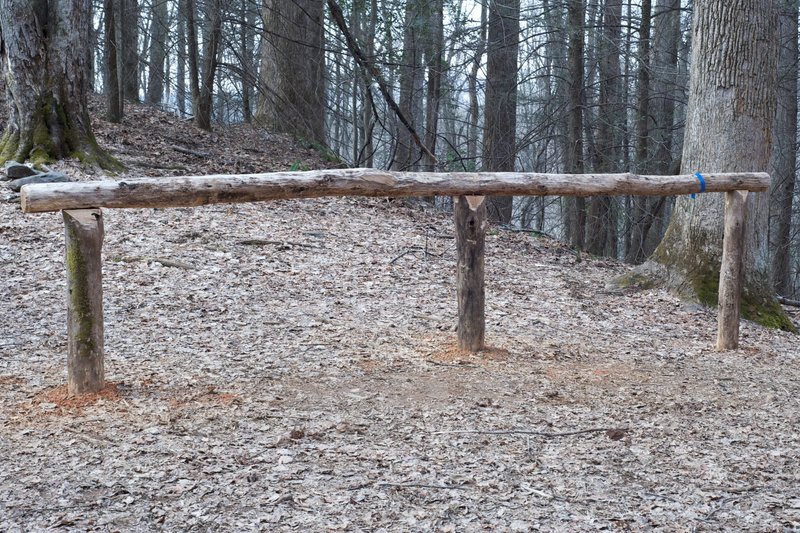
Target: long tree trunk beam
200,190
730,275
84,236
470,219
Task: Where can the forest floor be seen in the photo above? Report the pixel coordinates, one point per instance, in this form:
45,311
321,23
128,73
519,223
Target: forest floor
291,366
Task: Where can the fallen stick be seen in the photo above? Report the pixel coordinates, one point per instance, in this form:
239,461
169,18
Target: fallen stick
526,432
787,301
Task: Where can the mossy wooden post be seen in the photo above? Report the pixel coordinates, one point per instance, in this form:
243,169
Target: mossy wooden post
730,275
84,235
470,218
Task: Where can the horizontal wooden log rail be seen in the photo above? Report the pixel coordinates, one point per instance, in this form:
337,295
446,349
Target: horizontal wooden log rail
80,203
191,191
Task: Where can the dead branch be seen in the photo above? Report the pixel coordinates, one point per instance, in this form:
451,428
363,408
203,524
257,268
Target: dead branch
546,434
421,486
189,151
355,50
787,301
265,242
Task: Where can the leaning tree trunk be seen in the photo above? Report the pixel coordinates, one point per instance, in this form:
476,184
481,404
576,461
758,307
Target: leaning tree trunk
43,54
293,68
728,129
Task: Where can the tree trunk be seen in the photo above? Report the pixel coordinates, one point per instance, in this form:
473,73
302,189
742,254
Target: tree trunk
655,123
784,151
293,69
601,231
500,118
129,24
114,102
193,55
180,82
433,53
246,47
158,52
45,77
411,76
729,122
474,116
573,157
202,114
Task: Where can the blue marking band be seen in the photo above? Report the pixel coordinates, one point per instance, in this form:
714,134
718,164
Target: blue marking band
702,183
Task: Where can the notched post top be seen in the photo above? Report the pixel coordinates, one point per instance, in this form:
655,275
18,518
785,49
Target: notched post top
475,202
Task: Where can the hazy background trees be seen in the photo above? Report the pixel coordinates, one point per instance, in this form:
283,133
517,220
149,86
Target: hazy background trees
528,85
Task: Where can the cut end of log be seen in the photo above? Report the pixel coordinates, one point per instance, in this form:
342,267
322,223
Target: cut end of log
475,202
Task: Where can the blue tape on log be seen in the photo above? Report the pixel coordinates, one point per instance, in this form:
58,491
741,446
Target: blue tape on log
702,183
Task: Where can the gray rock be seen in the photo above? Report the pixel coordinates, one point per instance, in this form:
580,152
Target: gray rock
16,170
48,177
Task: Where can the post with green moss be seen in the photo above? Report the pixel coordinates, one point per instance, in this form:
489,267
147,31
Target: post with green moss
84,235
730,275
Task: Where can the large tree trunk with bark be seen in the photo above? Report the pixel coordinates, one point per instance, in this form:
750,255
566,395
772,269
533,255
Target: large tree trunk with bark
43,53
500,122
114,101
412,74
783,165
728,129
293,68
130,49
158,52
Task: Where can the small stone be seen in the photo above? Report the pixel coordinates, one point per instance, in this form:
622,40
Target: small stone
16,170
47,406
49,177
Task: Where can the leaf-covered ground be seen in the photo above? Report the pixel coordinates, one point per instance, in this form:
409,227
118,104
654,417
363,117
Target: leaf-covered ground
291,365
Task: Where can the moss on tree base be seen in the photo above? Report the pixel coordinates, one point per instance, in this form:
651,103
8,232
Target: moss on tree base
757,305
51,136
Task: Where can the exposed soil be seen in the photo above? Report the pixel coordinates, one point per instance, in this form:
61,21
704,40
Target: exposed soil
292,365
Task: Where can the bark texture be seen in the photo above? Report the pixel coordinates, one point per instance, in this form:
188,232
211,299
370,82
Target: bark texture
84,240
500,118
783,165
158,52
201,190
470,222
730,278
292,69
728,129
43,52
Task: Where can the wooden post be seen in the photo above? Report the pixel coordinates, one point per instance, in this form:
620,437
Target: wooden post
470,218
84,236
730,275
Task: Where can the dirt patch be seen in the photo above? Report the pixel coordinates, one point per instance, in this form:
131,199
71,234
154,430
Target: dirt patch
58,399
451,353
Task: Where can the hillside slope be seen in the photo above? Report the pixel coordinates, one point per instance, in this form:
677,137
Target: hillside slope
290,365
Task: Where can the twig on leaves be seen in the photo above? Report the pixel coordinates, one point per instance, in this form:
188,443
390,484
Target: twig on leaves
265,242
546,434
407,486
